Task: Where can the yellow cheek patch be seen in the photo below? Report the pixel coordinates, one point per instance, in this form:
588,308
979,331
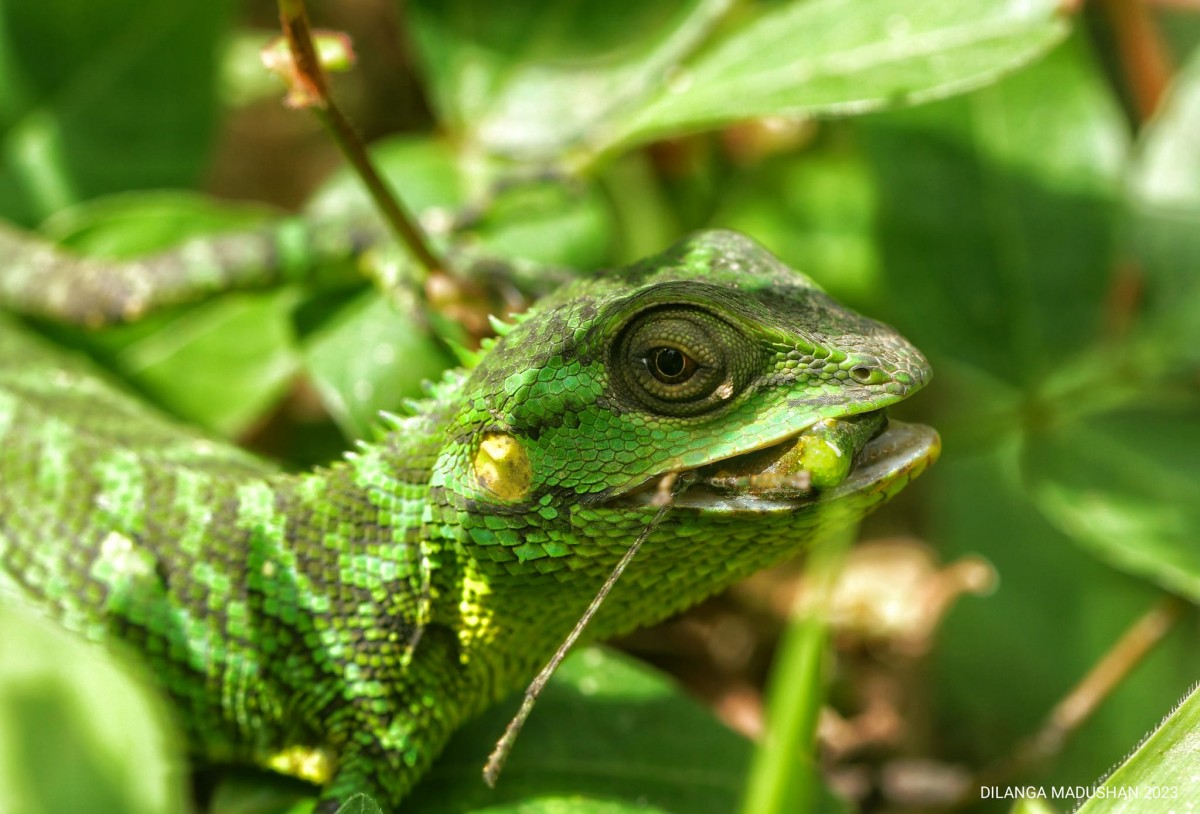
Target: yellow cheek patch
502,466
313,765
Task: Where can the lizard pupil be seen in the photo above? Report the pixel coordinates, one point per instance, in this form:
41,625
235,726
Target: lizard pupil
672,366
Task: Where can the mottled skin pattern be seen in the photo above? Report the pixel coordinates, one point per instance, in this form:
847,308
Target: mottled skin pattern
367,609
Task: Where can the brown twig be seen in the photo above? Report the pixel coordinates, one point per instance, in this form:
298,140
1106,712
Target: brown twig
1144,58
311,89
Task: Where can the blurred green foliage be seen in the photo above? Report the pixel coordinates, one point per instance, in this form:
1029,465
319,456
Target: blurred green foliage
1038,243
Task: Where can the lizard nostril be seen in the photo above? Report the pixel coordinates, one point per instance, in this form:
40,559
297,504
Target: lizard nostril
869,374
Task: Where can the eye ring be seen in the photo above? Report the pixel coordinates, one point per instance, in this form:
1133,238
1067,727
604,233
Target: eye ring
681,361
670,365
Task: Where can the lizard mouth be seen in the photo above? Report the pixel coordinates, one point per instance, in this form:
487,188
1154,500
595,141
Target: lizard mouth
826,461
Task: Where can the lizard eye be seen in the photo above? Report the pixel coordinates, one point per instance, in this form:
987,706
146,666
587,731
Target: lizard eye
671,365
681,361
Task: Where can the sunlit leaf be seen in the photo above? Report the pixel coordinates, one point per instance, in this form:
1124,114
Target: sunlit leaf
826,57
422,170
540,82
1160,777
134,223
530,79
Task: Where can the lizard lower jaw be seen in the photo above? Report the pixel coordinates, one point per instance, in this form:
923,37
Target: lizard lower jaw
884,465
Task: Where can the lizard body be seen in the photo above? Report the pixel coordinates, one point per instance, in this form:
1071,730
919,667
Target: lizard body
364,610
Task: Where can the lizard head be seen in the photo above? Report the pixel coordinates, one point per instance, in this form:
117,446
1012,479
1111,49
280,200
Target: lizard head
713,365
713,359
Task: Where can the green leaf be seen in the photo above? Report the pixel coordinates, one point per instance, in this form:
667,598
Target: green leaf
996,218
1160,776
824,57
103,97
533,82
607,736
1126,485
81,732
220,364
529,79
371,356
1165,220
360,804
549,222
134,223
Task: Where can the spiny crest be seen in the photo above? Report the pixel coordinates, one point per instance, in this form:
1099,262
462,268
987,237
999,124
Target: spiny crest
466,357
503,327
392,421
436,393
499,326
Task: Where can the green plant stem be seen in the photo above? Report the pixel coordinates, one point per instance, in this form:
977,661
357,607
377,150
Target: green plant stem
294,19
784,775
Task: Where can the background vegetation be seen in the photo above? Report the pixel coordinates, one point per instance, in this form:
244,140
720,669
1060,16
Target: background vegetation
1014,185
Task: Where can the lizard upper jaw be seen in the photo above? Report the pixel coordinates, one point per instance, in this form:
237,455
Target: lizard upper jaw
885,463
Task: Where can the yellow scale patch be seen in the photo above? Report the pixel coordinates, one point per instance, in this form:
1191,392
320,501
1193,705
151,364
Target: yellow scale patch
477,626
502,466
303,762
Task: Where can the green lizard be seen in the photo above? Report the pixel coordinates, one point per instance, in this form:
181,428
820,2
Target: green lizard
357,614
